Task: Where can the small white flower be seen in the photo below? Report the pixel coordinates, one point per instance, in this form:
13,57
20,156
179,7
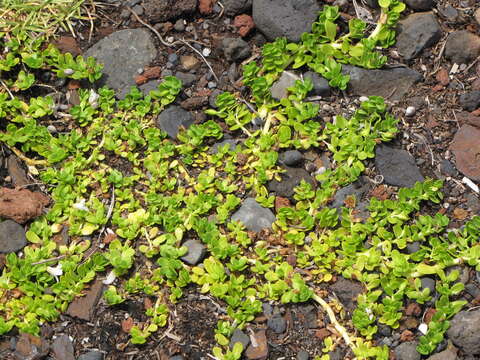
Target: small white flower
423,328
68,72
110,278
55,271
92,98
81,205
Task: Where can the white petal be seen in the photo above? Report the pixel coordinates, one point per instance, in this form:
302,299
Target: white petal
110,278
55,271
81,205
470,184
423,328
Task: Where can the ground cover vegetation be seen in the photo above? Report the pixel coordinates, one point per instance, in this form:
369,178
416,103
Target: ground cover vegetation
127,223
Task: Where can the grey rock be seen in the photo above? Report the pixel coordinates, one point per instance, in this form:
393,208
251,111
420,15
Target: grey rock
357,189
254,216
284,18
417,32
232,72
149,86
462,47
277,323
212,99
12,236
166,73
449,354
291,157
63,348
449,13
365,82
236,49
172,119
239,336
428,283
186,78
290,179
173,58
179,25
303,355
212,85
137,9
470,101
413,247
447,168
177,357
231,142
397,166
236,7
320,84
161,10
472,289
122,54
279,88
196,252
347,291
267,309
384,330
464,331
337,354
91,355
407,351
420,4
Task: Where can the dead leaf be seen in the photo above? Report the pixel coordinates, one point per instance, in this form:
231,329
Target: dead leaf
460,214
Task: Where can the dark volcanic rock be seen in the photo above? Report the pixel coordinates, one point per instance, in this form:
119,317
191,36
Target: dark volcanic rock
236,7
417,32
290,179
122,54
420,4
464,331
12,236
254,216
397,166
236,49
164,10
381,82
172,119
470,100
462,47
284,18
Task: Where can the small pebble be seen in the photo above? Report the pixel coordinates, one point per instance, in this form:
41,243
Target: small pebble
206,52
212,85
173,58
410,111
139,71
170,39
179,25
169,65
363,98
52,129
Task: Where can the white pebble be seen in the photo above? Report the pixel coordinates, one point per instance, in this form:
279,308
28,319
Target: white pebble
470,184
423,328
410,111
68,72
52,129
206,52
363,98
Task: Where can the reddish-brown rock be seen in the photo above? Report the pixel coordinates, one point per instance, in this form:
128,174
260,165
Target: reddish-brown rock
260,351
83,307
206,6
244,24
68,44
466,148
21,205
